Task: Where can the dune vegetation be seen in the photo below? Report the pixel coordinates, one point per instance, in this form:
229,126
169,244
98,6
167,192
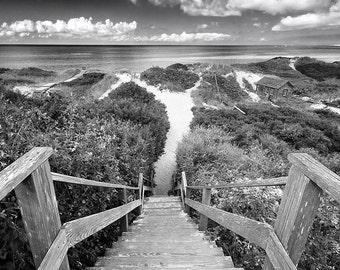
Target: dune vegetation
104,140
174,78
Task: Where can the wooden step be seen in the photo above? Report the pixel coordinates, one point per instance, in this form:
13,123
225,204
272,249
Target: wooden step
163,199
164,237
207,267
180,261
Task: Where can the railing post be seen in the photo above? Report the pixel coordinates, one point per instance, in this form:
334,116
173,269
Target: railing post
38,205
184,185
296,214
206,197
124,221
188,193
140,190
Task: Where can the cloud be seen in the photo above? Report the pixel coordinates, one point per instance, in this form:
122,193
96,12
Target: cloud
257,24
224,8
310,20
186,37
134,1
330,19
74,28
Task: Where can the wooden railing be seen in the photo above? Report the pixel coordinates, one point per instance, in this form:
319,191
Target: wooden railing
31,179
285,242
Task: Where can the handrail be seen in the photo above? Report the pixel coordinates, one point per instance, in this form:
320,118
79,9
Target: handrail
49,240
318,173
81,181
257,232
279,181
15,173
285,242
238,224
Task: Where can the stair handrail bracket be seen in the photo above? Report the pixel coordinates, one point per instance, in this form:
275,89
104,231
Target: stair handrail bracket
32,181
285,242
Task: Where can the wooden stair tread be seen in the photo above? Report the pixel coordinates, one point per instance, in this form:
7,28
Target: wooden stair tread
163,237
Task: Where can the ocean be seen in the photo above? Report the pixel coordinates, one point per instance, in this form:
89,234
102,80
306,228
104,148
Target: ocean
139,58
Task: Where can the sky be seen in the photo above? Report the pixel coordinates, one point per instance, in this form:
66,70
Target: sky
170,22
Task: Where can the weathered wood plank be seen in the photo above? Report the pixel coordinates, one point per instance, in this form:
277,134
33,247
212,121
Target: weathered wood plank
206,198
38,205
81,181
280,181
140,192
296,214
187,207
254,231
318,173
184,183
79,229
277,254
56,253
124,221
15,173
146,188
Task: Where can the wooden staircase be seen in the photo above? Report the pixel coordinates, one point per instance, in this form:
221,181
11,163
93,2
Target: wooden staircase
163,237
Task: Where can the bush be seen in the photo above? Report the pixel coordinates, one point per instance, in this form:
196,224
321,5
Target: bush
226,146
317,69
178,79
91,140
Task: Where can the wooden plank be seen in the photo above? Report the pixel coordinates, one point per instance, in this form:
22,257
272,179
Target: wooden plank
187,207
318,173
277,255
182,196
124,221
206,198
79,229
38,205
81,181
184,183
296,214
15,173
146,188
254,231
140,192
56,253
280,181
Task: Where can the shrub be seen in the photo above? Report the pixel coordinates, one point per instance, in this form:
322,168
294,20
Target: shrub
91,141
178,79
317,69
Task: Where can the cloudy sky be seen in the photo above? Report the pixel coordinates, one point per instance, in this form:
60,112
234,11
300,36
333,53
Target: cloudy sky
184,22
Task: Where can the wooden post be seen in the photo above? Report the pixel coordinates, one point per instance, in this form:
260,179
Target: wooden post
296,214
187,207
124,221
184,184
38,205
206,197
140,186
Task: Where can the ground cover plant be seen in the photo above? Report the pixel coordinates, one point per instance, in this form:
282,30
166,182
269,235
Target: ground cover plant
226,146
175,77
90,140
317,69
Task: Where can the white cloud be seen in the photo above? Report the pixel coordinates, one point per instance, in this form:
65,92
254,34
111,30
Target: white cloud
257,24
224,8
75,27
309,20
279,6
134,1
330,19
187,37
